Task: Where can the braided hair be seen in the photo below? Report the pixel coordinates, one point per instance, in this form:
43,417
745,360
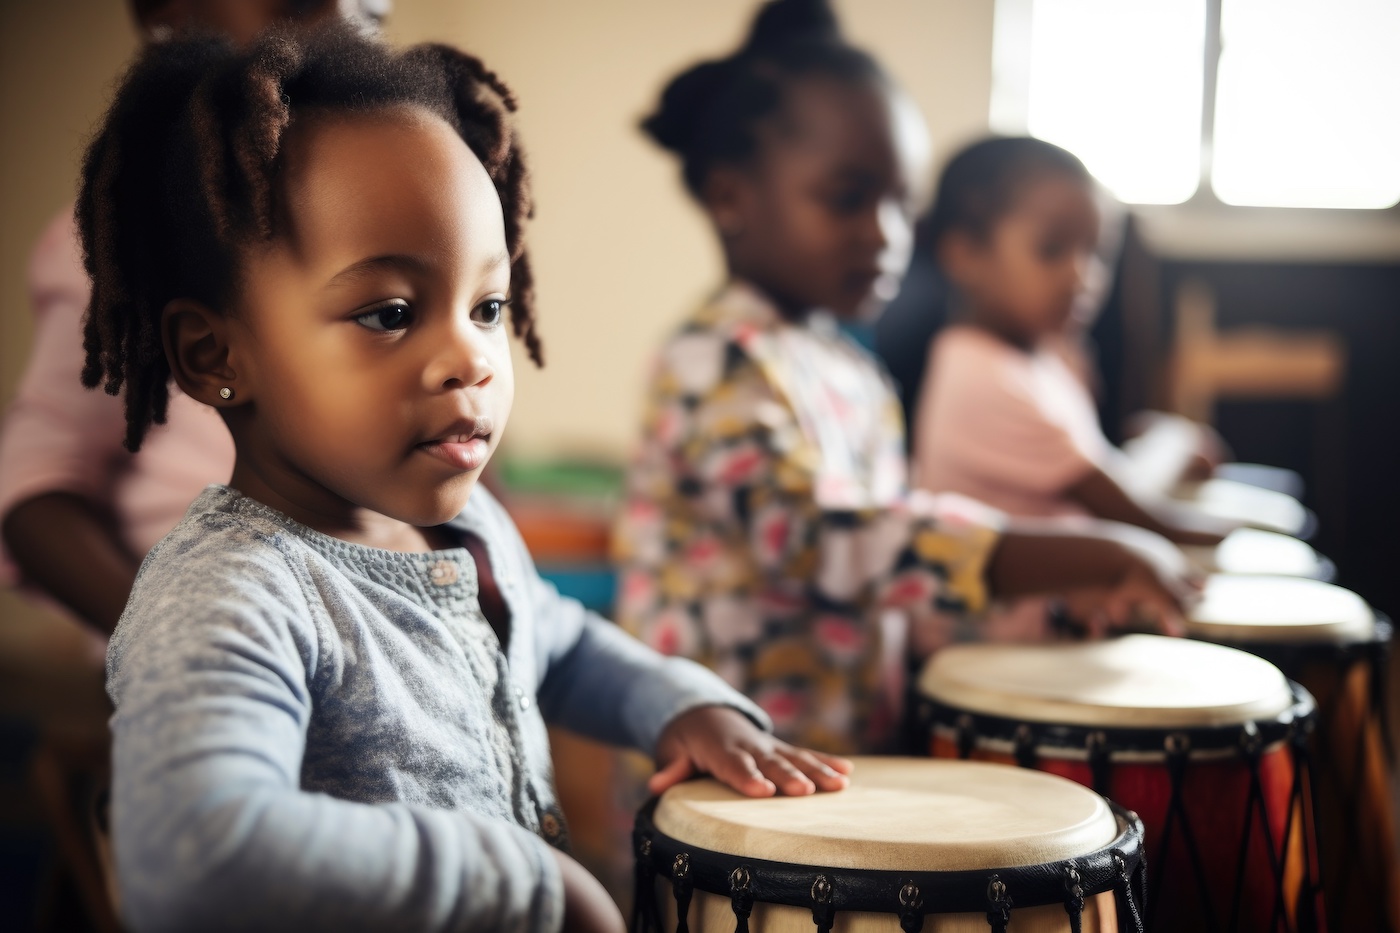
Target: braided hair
978,185
709,115
181,178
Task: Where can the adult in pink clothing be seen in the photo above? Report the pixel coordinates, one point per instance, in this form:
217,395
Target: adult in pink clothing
71,497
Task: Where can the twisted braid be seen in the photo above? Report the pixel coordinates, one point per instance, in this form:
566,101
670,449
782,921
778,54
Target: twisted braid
482,106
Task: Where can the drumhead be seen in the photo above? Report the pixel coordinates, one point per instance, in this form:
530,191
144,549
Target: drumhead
1138,681
1250,505
900,814
1279,609
1251,551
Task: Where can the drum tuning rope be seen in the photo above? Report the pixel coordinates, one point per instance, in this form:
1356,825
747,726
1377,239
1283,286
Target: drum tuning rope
1074,898
645,915
681,887
823,914
1177,745
1096,747
1302,801
1025,746
740,897
1125,888
998,905
911,913
966,736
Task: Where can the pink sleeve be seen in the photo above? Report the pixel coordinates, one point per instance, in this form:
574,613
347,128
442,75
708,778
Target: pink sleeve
57,435
992,417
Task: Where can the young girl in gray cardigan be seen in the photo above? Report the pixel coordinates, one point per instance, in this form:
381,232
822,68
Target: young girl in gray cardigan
333,677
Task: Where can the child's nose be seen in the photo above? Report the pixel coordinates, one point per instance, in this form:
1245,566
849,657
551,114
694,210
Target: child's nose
892,230
462,359
1084,270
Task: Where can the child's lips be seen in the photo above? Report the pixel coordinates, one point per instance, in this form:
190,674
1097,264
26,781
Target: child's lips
862,281
464,452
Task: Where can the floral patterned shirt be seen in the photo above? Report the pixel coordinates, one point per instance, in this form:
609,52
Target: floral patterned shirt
769,532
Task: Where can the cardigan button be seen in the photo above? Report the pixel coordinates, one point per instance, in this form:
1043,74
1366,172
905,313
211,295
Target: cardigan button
443,573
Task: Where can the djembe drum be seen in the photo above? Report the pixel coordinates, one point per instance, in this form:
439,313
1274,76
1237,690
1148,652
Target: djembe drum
912,845
1250,506
1251,551
1328,639
1207,744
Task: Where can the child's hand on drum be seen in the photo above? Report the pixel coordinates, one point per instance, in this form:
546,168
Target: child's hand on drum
1139,603
1155,586
724,743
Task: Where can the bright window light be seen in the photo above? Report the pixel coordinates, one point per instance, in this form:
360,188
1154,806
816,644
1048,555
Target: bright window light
1308,104
1117,82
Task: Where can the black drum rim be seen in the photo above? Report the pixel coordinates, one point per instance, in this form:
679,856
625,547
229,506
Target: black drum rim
1029,738
1289,656
1115,867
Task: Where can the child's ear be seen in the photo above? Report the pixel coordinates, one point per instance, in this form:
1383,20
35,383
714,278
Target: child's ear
727,200
160,19
196,343
958,254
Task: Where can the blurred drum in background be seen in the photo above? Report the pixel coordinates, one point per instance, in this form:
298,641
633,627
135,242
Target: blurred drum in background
1328,639
1207,745
912,845
1251,506
1250,551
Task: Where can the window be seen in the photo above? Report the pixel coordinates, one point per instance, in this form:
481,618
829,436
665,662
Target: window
1300,108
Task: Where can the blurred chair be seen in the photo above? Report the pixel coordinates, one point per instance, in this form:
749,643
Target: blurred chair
1247,362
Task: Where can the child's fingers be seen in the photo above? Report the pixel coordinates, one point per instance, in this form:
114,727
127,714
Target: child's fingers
784,774
1163,608
738,769
671,775
823,775
1170,621
835,762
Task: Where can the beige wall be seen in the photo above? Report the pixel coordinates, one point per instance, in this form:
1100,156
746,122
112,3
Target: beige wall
620,252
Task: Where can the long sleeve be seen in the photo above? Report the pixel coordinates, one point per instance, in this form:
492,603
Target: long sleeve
592,678
603,684
212,831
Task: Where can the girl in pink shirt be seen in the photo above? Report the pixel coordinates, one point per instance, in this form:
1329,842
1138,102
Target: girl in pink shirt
1004,416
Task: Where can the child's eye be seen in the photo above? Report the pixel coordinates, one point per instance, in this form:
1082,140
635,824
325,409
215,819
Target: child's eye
392,315
847,202
490,311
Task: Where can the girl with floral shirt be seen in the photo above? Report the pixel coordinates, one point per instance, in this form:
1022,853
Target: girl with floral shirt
768,530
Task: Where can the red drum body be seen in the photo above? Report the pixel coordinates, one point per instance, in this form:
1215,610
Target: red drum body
1205,744
1330,641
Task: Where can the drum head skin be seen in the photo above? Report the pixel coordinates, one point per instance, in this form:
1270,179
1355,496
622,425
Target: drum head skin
900,814
1249,505
1244,609
1250,551
1138,681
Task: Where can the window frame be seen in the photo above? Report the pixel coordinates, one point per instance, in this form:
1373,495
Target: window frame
1203,225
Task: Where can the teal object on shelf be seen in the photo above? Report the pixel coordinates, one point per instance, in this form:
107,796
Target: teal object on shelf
594,585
